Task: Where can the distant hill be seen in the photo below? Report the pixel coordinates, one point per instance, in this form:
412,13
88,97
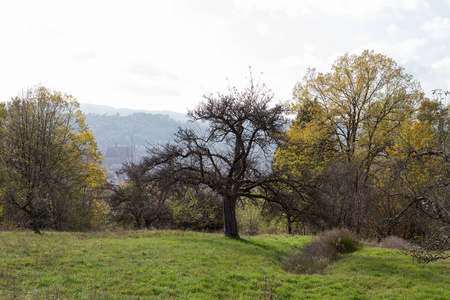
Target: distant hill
109,110
130,131
136,131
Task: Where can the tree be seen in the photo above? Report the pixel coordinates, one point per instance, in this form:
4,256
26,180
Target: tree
137,199
421,184
50,158
196,208
161,204
287,195
231,155
347,119
2,169
362,102
420,179
308,144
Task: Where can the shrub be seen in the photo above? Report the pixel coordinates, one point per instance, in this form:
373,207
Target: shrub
252,222
340,240
249,219
395,242
316,256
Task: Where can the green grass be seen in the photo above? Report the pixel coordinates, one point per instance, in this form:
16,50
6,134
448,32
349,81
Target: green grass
189,265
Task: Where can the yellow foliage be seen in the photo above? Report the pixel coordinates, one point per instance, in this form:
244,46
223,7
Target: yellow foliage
307,145
414,136
49,154
351,113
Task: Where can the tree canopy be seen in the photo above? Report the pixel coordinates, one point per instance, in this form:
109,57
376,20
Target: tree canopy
352,112
49,158
232,155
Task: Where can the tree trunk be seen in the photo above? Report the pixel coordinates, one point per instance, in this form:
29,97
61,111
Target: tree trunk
34,219
147,223
289,223
230,228
58,222
138,222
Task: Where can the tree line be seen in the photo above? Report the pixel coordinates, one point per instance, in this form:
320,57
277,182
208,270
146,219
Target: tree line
359,147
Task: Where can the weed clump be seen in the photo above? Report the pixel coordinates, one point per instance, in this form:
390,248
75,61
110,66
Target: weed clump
314,257
267,287
395,242
340,240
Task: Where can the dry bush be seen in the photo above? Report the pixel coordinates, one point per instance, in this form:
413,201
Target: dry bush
305,263
340,240
395,242
316,256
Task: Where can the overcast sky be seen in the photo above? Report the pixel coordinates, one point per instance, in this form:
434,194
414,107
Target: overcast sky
164,55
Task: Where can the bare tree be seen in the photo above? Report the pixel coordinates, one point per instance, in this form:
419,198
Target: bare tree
231,154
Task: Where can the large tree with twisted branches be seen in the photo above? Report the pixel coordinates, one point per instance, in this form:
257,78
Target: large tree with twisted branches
229,152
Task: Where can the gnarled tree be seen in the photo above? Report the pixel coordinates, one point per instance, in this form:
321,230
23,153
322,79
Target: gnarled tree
230,154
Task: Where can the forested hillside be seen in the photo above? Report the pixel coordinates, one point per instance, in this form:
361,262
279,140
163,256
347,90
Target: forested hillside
135,131
124,138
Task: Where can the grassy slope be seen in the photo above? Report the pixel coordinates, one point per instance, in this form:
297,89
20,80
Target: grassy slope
189,265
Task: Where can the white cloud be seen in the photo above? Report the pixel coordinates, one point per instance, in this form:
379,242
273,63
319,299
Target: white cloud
402,51
443,64
442,68
308,48
411,5
144,69
438,28
412,48
342,8
149,89
392,29
84,56
263,28
306,59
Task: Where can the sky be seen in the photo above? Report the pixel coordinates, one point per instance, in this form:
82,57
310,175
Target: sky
166,54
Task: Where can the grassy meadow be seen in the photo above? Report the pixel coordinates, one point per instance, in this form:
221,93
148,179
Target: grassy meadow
191,265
